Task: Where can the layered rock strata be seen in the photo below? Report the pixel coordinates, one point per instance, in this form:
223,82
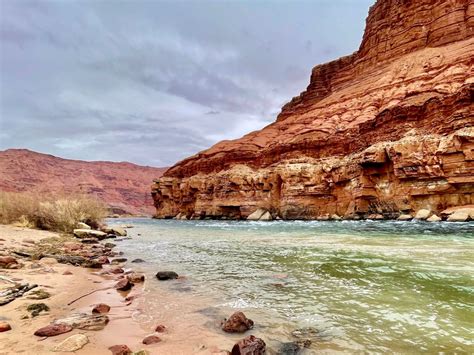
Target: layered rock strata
388,130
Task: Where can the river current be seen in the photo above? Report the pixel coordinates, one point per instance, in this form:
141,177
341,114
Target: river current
349,286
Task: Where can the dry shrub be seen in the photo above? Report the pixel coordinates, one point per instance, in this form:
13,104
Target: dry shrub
48,212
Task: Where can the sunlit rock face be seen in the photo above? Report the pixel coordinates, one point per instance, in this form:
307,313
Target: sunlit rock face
386,130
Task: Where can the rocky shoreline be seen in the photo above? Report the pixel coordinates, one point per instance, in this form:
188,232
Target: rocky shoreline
64,293
454,214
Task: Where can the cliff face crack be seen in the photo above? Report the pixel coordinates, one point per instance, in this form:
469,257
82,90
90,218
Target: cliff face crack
386,130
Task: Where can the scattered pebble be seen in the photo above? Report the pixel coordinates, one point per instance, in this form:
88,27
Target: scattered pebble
4,327
101,308
151,339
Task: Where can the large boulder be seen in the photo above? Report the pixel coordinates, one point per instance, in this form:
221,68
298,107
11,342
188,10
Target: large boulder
266,217
405,217
237,323
458,216
255,216
73,343
89,233
433,218
469,209
250,345
82,225
423,214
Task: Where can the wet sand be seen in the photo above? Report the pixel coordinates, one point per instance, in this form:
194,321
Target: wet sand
187,331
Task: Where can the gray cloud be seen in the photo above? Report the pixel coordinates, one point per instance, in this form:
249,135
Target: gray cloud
155,81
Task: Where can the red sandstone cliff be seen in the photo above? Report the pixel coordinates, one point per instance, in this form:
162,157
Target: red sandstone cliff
122,186
388,129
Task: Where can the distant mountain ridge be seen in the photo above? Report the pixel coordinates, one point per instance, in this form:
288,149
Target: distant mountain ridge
123,186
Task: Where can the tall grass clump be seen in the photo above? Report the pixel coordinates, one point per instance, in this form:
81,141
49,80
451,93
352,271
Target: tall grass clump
59,214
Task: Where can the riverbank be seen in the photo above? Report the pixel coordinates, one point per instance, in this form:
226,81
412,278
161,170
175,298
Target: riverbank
68,290
64,283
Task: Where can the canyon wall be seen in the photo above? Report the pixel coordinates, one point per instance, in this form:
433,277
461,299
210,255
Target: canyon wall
124,187
386,130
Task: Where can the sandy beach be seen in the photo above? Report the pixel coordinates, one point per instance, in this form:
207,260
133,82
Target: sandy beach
187,331
64,288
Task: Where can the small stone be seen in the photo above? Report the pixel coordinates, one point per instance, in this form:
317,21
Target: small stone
118,260
92,264
53,329
110,245
8,262
336,217
250,345
123,285
103,259
4,327
422,214
115,270
289,349
67,272
136,277
89,241
237,323
166,275
120,350
434,218
101,308
73,343
138,260
151,339
85,321
405,217
160,328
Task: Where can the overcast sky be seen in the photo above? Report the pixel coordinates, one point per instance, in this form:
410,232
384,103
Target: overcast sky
153,82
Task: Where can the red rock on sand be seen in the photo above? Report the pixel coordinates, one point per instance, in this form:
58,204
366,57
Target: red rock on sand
7,262
124,285
4,327
120,350
115,270
52,330
101,308
250,345
237,323
151,339
160,328
67,272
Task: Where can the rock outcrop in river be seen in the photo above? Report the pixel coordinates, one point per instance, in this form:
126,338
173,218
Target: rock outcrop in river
386,130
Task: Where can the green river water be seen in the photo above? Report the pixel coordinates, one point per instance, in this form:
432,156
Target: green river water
364,286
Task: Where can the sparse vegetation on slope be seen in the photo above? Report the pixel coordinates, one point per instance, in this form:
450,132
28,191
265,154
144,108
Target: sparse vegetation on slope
49,212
